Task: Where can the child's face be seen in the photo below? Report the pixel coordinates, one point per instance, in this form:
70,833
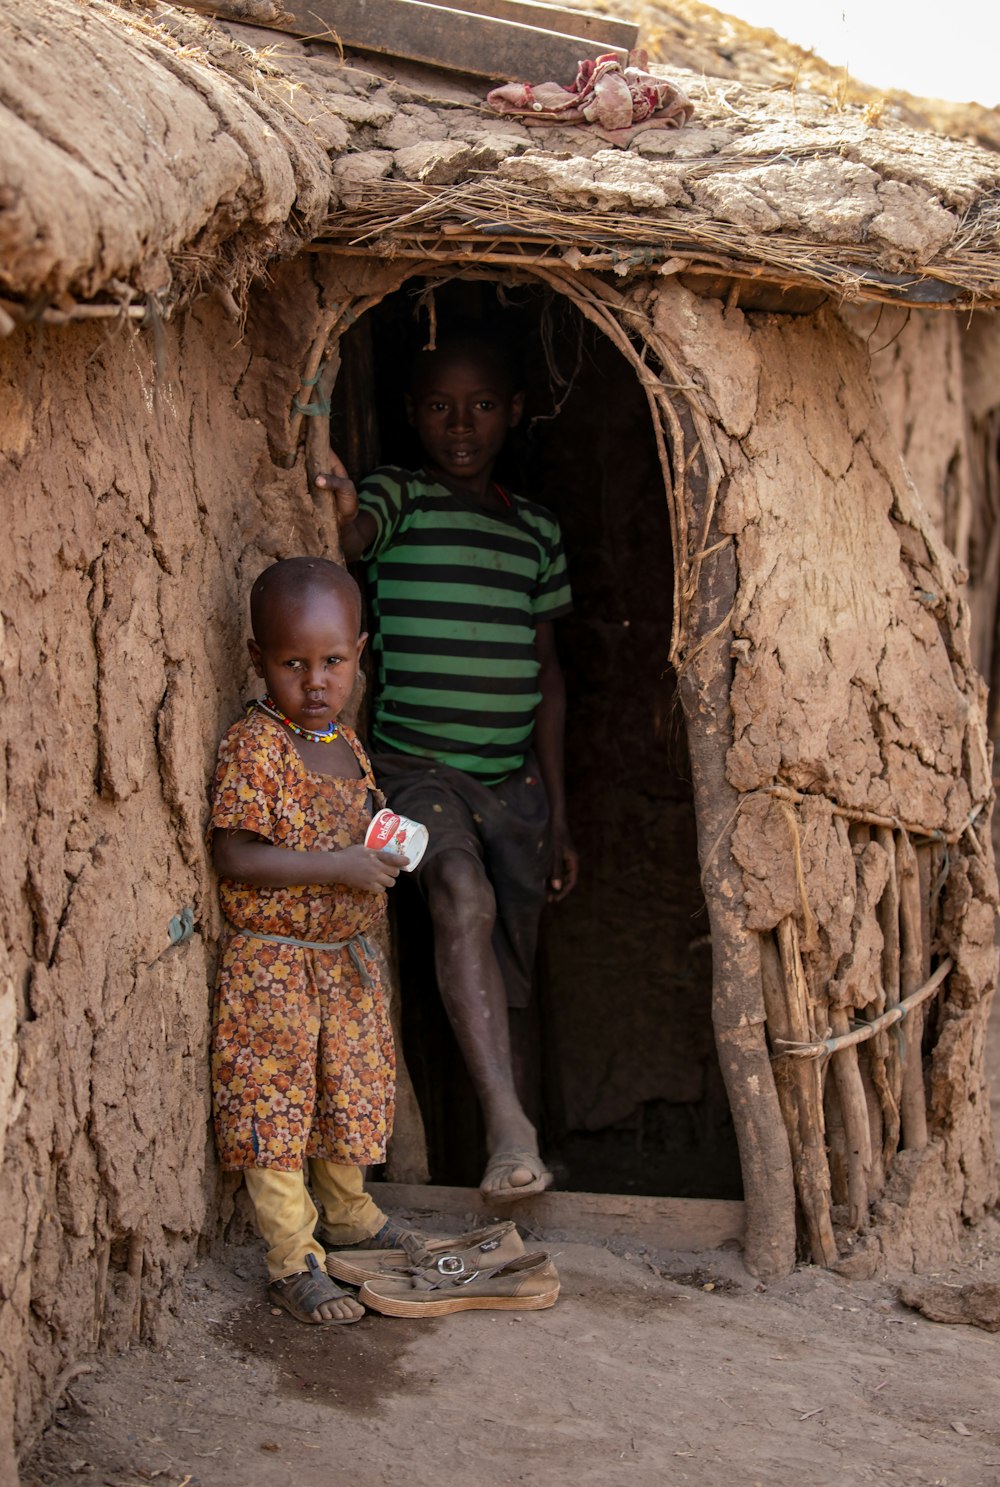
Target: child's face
308,656
462,409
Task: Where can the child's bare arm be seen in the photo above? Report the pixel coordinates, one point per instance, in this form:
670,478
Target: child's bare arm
249,859
357,528
548,740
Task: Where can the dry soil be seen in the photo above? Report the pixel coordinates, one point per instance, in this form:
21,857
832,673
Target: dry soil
653,1368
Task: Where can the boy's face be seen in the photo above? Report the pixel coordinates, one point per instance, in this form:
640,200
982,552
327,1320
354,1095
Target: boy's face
462,408
308,655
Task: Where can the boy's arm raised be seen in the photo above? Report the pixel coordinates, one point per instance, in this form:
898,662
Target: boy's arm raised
548,740
357,528
250,859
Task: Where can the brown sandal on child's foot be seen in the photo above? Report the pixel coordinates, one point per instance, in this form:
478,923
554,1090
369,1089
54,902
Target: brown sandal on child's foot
303,1293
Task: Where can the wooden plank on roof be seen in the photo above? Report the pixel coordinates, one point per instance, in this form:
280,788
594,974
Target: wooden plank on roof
483,45
667,1223
566,22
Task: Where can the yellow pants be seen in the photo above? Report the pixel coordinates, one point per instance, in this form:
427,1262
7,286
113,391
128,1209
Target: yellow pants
287,1215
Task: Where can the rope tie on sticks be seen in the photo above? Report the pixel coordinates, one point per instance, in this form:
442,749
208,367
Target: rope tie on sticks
319,409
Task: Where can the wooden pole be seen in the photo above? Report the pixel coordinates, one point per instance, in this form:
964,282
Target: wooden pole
850,1086
704,677
876,1167
836,1142
887,1069
854,1111
872,818
913,1105
812,1172
785,1082
863,1032
319,451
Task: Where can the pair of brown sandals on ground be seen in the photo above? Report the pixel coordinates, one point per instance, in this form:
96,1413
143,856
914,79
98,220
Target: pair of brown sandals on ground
404,1274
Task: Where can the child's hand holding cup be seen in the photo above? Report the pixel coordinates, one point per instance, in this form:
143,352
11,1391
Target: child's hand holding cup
391,832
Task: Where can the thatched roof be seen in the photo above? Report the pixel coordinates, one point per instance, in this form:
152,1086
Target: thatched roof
151,153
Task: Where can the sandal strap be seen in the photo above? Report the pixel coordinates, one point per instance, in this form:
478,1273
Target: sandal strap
437,1278
310,1288
414,1246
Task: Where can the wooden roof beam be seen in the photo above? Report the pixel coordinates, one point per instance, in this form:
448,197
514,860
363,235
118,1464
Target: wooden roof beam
510,40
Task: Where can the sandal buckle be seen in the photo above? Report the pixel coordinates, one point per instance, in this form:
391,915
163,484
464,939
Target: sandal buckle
451,1265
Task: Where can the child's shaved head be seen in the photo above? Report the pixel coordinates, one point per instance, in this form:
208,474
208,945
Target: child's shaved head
287,583
489,354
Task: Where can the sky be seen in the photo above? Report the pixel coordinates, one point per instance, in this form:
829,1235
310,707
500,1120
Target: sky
945,50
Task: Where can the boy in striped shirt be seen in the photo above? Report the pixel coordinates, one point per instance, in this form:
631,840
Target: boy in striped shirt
466,581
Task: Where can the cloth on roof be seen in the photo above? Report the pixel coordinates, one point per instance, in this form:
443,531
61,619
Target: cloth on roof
603,93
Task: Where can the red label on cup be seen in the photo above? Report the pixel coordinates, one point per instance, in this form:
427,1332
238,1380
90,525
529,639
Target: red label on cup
395,833
382,830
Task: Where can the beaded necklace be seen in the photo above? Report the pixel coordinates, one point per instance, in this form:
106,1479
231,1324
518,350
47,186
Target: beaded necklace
322,735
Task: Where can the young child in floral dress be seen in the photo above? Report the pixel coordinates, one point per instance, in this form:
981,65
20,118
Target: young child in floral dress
303,1061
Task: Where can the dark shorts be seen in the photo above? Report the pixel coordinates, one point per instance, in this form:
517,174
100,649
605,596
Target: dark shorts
504,827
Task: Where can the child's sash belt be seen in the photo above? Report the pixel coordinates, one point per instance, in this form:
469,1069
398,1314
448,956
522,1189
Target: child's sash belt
350,945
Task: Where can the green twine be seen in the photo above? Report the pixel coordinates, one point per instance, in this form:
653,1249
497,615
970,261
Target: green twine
312,410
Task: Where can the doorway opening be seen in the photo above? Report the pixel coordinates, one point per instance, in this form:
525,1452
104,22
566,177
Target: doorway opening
628,1092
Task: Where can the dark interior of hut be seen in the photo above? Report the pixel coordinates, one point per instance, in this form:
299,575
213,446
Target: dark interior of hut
626,1082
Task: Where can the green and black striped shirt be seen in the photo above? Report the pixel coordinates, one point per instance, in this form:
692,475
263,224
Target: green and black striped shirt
456,593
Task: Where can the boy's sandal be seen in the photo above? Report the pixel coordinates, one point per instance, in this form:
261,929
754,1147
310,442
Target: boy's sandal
526,1283
494,1245
303,1293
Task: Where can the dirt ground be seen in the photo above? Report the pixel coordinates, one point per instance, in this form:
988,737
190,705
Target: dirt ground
654,1367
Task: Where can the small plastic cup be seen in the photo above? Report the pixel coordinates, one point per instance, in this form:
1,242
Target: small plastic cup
390,832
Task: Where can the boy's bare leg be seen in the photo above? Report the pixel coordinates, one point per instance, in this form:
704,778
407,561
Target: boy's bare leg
463,911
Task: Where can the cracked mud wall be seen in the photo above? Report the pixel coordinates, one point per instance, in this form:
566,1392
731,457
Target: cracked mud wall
135,517
939,380
852,682
856,680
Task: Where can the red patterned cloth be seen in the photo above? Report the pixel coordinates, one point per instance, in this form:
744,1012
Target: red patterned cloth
604,93
303,1063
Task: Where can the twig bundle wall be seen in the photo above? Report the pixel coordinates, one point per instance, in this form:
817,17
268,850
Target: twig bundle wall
860,1079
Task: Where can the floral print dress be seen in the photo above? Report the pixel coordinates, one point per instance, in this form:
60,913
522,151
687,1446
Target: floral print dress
303,1063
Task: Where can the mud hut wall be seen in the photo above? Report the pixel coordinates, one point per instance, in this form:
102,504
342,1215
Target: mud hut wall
852,682
916,364
980,346
139,501
938,378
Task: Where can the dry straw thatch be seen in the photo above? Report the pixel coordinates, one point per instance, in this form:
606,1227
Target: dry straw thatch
189,154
